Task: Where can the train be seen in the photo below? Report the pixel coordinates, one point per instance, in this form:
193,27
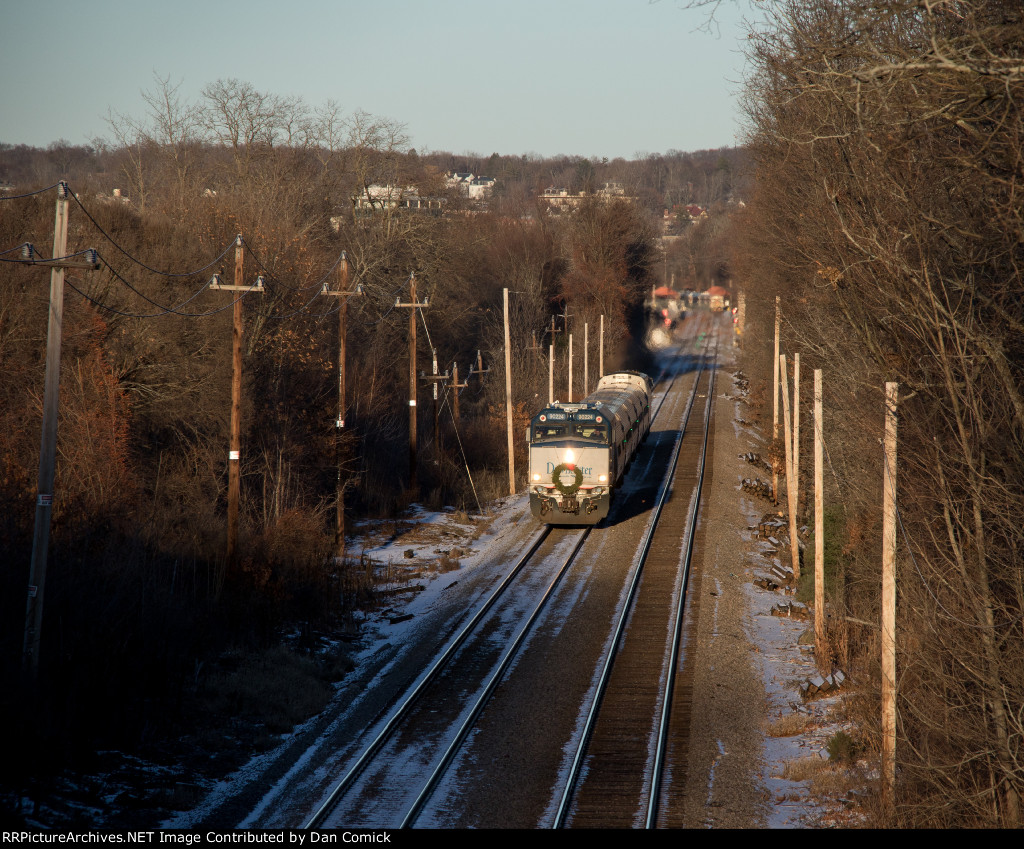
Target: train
580,452
718,299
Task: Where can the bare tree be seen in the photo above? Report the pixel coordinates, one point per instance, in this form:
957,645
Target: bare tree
887,133
175,128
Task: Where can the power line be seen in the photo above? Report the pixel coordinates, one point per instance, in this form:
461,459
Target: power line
137,261
29,194
31,255
116,311
294,288
305,308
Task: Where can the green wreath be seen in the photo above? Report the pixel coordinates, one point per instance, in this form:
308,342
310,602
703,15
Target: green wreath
556,479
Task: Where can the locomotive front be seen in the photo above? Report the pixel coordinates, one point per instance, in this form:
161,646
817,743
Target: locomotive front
570,450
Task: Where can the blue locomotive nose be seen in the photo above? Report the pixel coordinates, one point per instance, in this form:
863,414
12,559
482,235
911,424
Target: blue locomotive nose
607,428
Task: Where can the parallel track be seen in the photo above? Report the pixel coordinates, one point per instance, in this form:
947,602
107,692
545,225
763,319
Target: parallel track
430,702
616,775
402,713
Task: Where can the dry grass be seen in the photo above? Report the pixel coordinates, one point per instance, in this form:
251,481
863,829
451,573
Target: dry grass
447,562
833,782
804,769
790,725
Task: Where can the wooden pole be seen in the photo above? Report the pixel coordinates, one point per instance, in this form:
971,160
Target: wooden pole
412,306
413,483
437,429
235,445
775,407
889,595
600,348
339,497
586,372
48,445
456,386
570,369
508,402
794,541
820,649
551,374
796,424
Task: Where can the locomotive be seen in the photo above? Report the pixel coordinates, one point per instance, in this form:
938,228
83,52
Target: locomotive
579,452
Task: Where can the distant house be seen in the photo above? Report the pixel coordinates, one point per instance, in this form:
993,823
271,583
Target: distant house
394,197
459,179
470,185
116,196
696,213
611,190
481,187
558,198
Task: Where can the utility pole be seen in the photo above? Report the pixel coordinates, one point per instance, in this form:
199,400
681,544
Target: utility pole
551,356
586,353
775,406
553,330
339,425
455,386
235,428
412,306
889,595
434,378
601,350
819,529
48,444
796,423
479,366
570,368
508,401
566,315
794,540
551,374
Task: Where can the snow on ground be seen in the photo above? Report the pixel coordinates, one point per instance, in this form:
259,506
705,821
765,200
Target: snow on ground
436,549
428,550
786,665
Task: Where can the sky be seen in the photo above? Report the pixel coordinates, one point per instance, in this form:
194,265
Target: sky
596,78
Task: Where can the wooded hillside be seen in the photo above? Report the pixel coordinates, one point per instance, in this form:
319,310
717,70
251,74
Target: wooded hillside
887,139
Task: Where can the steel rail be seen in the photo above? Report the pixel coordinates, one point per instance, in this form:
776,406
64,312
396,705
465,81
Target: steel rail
488,690
403,709
499,672
677,630
573,777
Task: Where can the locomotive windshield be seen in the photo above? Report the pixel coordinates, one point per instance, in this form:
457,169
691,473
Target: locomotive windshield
589,430
549,431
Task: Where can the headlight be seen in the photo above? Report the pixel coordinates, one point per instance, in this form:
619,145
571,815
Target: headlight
536,477
569,456
602,478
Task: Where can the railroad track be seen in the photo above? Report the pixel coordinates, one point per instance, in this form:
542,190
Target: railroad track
616,776
399,769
